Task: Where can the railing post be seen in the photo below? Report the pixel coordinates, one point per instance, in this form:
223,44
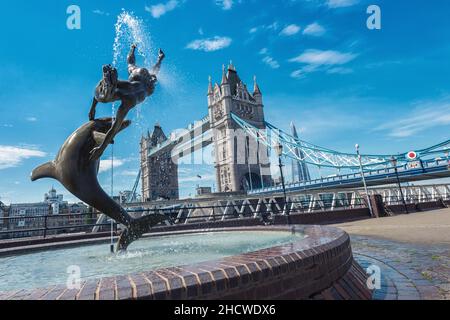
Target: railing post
45,226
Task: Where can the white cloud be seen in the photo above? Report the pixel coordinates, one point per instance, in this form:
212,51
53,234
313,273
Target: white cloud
423,117
290,30
318,60
225,4
128,173
31,119
297,74
271,62
100,12
161,9
340,70
267,59
210,44
314,29
273,26
341,3
319,57
12,156
105,165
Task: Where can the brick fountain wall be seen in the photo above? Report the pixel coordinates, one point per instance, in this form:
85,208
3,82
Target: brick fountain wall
319,266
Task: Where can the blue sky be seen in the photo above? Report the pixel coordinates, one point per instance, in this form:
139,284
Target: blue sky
316,62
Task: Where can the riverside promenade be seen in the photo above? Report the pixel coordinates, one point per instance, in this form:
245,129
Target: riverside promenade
412,251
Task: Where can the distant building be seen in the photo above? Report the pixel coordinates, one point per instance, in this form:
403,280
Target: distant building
30,209
27,216
56,201
53,212
53,197
203,190
300,171
3,215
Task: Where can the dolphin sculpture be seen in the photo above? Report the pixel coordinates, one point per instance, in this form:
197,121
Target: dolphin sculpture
77,172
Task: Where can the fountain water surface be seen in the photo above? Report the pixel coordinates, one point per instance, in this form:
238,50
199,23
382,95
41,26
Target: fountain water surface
46,268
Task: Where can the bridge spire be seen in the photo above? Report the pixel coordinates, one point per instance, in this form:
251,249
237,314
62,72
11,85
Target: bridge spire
256,90
224,75
231,66
210,86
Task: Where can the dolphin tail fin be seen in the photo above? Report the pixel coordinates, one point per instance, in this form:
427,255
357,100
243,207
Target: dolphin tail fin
137,228
47,170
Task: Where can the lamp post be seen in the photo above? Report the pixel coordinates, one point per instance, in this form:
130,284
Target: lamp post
394,164
279,150
364,180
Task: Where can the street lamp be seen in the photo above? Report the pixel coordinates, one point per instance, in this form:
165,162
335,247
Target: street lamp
279,150
394,164
364,180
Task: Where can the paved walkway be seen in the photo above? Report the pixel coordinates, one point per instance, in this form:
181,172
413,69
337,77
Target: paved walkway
428,227
412,251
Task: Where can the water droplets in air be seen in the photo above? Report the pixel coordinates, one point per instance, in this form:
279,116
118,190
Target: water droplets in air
131,30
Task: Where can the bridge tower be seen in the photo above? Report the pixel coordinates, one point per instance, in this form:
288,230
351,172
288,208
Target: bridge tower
241,162
159,171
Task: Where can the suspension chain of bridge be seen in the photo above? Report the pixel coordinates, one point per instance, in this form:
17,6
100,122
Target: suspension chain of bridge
324,157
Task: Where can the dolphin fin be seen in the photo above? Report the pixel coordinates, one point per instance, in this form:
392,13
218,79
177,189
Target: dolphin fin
47,170
99,137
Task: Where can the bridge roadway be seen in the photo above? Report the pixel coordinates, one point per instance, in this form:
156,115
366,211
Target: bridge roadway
431,169
184,142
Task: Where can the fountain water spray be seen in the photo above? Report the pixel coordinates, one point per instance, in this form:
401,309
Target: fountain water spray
131,29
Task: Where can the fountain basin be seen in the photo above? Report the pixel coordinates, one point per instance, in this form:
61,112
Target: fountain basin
307,265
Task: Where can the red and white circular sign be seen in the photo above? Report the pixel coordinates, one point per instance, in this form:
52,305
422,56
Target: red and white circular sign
412,155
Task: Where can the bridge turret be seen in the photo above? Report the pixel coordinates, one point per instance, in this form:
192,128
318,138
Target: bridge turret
210,91
257,95
225,84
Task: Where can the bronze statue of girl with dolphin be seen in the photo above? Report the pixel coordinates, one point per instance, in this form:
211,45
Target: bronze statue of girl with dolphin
77,163
140,85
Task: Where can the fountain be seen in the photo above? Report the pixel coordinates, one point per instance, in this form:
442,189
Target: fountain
230,260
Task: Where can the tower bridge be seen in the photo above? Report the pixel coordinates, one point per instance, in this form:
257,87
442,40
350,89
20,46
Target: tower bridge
242,140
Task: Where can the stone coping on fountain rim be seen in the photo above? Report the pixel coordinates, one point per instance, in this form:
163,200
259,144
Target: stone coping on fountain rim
318,266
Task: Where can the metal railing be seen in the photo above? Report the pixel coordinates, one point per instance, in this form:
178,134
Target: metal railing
251,208
222,210
22,226
413,199
43,226
426,164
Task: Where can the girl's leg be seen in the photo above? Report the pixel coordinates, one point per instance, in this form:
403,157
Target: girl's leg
157,67
92,111
131,59
122,112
